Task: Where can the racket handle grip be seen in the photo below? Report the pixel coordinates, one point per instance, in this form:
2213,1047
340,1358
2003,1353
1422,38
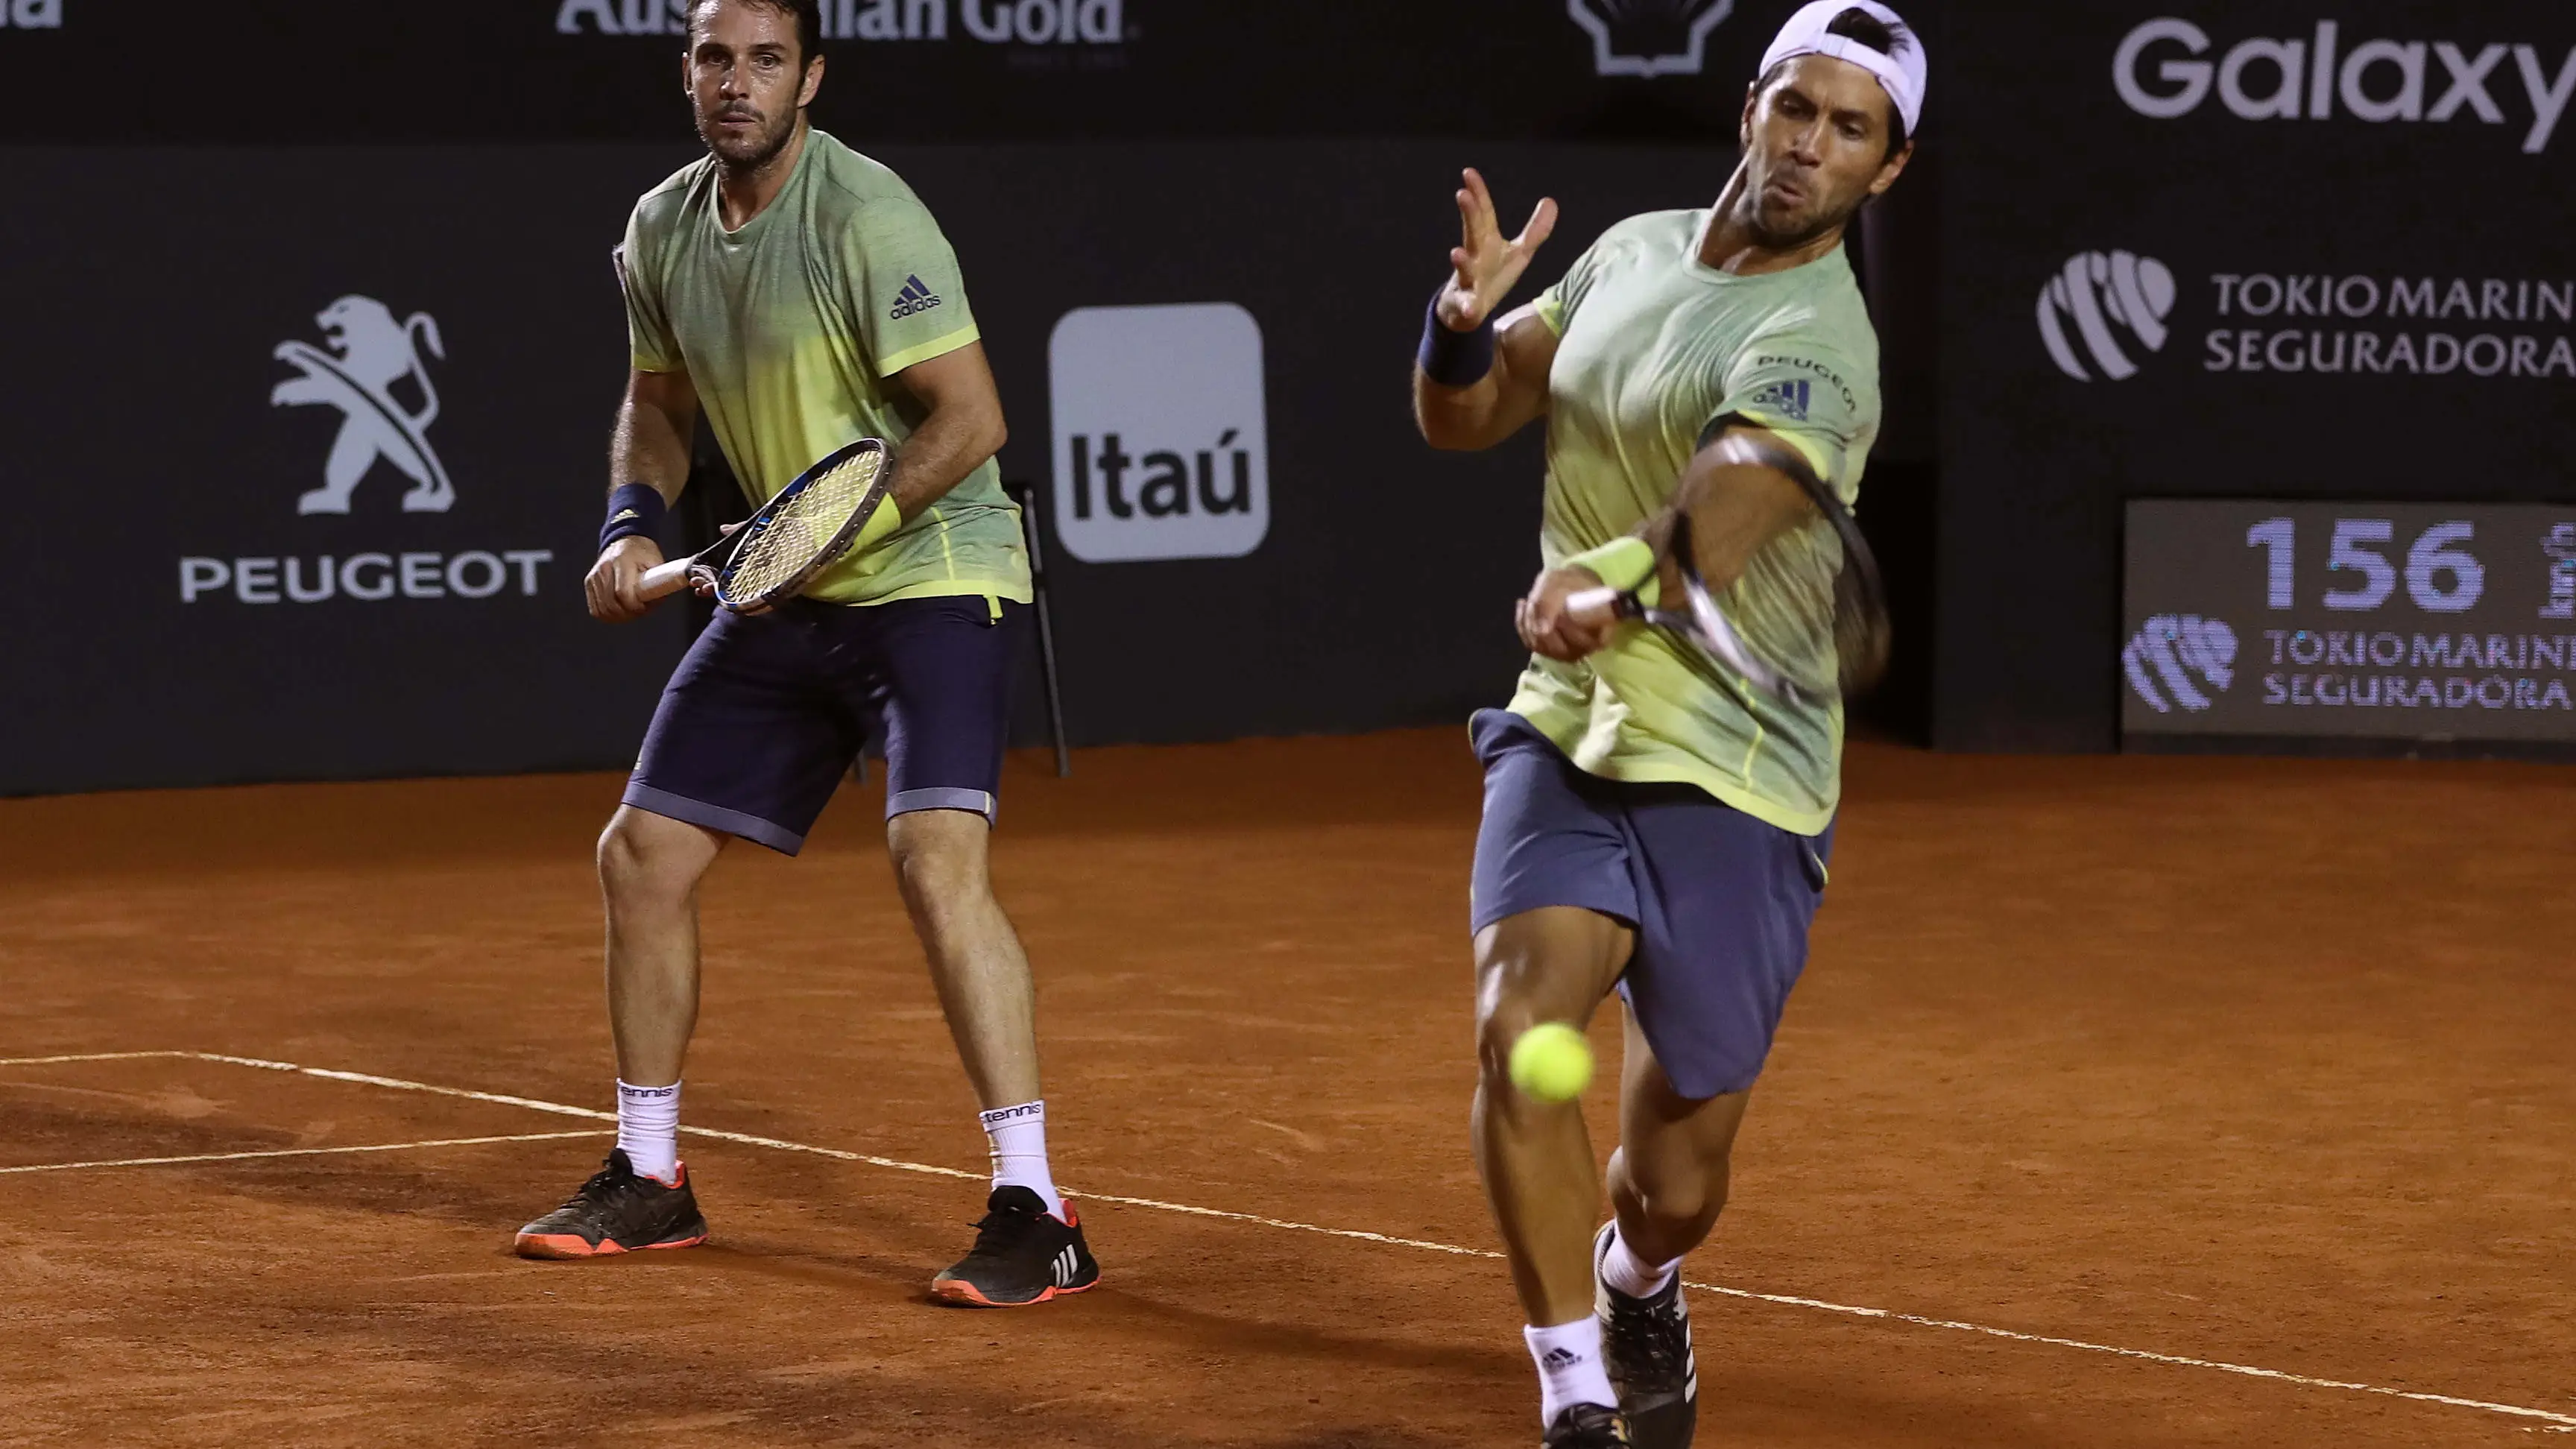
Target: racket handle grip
1593,606
665,579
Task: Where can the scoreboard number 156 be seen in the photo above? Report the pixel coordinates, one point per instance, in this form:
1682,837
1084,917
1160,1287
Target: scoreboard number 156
2441,576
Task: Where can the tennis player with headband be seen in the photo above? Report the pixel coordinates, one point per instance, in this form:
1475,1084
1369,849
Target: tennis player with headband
803,296
1651,824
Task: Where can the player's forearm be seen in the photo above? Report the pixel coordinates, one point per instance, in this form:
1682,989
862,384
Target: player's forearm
1460,419
650,443
951,443
1736,507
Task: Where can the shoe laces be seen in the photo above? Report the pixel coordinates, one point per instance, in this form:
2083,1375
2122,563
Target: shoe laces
1595,1426
1002,1230
610,1183
1649,1333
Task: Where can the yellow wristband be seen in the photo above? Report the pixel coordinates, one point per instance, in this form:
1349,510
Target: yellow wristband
1625,563
884,521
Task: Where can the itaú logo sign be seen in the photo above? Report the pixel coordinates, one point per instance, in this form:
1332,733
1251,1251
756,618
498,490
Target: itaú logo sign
2165,69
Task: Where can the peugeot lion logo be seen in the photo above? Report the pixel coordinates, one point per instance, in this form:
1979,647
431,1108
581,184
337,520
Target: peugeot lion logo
2175,647
2095,291
1648,37
370,352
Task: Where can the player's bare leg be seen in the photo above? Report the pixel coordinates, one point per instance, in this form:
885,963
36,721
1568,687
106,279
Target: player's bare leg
942,860
649,869
1029,1247
1667,1185
1668,1179
1552,964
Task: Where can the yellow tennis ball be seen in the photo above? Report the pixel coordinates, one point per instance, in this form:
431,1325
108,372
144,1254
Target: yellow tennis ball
1551,1062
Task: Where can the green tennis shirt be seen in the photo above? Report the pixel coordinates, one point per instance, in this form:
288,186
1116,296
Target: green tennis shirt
1654,345
792,329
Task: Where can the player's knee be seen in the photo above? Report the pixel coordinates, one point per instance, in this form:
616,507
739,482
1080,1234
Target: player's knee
1684,1199
935,860
1502,1014
634,868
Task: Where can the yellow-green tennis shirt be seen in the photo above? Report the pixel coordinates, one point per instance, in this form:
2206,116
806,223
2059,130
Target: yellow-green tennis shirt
1654,345
792,327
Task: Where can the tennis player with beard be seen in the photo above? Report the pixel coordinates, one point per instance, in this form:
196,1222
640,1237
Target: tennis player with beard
1652,824
801,294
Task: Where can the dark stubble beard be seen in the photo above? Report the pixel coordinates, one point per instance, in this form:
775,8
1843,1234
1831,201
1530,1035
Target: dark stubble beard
1749,215
772,142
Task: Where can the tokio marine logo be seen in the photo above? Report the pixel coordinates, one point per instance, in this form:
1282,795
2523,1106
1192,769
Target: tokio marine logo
370,352
2170,650
2093,292
32,14
1649,37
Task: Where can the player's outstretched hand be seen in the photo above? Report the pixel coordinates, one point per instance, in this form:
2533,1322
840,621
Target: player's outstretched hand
1551,628
1485,266
612,585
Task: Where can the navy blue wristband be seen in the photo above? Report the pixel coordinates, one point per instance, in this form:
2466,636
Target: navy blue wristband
1452,358
634,511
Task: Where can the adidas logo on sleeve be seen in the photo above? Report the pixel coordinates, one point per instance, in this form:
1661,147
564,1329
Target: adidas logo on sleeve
1788,399
916,297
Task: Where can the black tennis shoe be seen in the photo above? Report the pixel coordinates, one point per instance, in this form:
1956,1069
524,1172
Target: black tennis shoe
1646,1345
1587,1426
1023,1255
617,1211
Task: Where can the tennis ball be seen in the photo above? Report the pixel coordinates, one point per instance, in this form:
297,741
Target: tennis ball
1551,1062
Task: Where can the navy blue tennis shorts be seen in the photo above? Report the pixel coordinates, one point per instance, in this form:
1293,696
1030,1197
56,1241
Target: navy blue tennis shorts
766,713
1720,901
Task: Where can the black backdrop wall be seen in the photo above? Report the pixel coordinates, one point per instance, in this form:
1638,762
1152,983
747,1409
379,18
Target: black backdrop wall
2179,257
197,334
271,71
319,295
224,267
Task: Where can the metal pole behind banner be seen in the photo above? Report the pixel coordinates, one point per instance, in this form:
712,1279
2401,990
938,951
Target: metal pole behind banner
1033,525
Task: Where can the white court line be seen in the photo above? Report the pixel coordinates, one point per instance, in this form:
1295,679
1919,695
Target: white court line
2559,1423
295,1152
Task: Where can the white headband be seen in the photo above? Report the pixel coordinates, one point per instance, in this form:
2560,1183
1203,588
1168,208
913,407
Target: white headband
1901,75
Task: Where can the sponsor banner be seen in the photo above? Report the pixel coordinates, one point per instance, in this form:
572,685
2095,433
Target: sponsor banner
2389,621
313,443
986,22
2338,71
1138,393
2107,316
2312,251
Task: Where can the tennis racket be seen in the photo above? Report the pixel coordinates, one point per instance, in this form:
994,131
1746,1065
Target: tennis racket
810,524
1779,650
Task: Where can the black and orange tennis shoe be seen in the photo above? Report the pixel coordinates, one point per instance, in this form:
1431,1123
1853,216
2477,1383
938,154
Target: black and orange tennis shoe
618,1211
1023,1255
1646,1345
1587,1426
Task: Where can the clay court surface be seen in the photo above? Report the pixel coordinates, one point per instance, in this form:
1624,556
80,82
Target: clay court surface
2258,1063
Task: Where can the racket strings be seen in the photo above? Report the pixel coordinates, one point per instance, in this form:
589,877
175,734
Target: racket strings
1812,590
786,547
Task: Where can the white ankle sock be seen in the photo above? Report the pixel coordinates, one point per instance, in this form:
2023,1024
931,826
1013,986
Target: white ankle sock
648,1128
1622,1269
1019,1151
1570,1370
